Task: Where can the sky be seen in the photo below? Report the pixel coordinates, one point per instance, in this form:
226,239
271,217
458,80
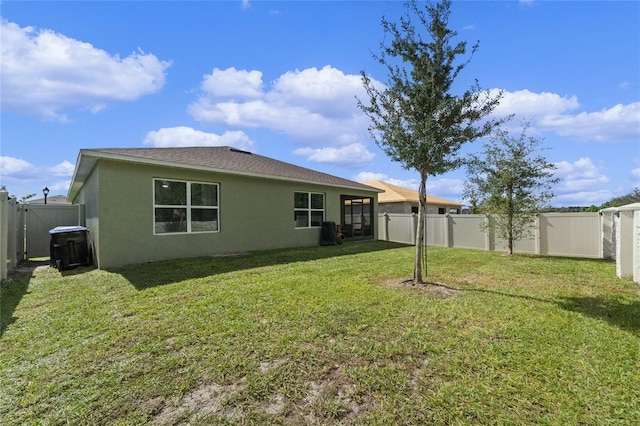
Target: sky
282,79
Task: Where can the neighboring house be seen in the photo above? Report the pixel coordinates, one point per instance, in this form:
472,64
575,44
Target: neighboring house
54,199
397,199
148,204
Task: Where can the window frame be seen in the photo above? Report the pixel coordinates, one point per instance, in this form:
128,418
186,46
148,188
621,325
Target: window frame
188,207
309,209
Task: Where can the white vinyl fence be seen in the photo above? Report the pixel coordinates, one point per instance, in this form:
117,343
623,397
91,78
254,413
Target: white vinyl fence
11,235
3,235
24,229
561,234
610,234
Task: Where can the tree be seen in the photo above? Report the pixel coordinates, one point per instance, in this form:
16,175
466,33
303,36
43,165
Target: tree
26,197
416,119
508,180
632,197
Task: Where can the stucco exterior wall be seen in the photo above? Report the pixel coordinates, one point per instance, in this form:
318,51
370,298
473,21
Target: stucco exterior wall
88,196
405,207
401,207
254,214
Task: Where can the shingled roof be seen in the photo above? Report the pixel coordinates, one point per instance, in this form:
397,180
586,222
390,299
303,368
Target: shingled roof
215,159
398,194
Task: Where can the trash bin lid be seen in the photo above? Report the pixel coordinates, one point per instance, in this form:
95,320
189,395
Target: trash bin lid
62,229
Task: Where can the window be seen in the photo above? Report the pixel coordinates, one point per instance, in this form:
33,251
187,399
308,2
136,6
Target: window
185,207
308,209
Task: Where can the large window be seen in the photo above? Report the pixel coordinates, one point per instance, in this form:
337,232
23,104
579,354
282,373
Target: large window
182,207
308,209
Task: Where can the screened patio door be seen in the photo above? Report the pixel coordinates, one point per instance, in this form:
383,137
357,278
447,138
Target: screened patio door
357,217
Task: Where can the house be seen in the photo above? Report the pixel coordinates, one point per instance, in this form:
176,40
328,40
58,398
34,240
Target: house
149,204
397,199
55,199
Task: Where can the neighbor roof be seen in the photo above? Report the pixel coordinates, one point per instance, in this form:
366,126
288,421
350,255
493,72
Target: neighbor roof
398,194
215,159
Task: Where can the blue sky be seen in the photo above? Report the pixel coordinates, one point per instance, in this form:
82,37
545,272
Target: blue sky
280,79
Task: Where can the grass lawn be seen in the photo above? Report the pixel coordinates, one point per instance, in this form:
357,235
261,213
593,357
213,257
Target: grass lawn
323,335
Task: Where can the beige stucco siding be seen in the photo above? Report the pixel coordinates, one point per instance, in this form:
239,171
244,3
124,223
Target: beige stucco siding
254,214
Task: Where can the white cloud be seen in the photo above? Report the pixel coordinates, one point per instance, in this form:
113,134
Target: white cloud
231,82
580,176
526,104
453,188
11,167
316,107
44,73
60,186
327,91
363,176
618,123
354,155
183,136
583,198
553,113
65,168
635,173
16,172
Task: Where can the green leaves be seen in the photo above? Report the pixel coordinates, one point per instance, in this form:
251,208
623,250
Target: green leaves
416,119
510,180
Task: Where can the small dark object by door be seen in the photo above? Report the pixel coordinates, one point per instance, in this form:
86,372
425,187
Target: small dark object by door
69,247
329,234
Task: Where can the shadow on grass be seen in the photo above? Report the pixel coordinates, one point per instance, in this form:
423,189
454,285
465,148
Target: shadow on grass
13,290
624,315
166,272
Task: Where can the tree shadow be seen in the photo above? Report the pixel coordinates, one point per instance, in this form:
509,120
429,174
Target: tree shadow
13,290
155,274
622,314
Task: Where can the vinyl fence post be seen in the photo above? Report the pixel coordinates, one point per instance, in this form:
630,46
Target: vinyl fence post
13,232
385,229
536,234
636,246
448,230
4,234
415,228
488,234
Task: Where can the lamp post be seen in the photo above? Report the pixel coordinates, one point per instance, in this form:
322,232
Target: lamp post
45,191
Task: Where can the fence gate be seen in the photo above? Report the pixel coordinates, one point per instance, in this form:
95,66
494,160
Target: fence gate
40,218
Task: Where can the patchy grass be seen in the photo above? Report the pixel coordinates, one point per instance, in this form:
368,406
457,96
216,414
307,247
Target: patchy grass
323,335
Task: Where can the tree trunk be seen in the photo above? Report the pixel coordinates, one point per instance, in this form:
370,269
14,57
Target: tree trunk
422,208
510,219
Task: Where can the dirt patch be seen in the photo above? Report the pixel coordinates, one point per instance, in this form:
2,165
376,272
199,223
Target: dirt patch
332,398
265,367
434,288
206,399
